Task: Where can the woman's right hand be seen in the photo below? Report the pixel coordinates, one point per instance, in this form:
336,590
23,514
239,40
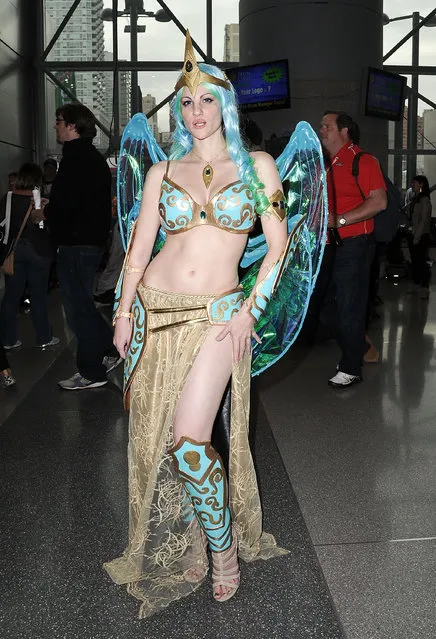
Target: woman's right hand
123,335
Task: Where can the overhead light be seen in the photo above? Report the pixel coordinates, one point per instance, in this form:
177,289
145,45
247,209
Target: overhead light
162,16
107,15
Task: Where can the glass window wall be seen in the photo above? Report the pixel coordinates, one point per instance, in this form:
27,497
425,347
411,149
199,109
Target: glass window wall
88,40
401,16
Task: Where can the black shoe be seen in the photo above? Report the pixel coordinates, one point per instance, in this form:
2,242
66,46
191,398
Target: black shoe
105,299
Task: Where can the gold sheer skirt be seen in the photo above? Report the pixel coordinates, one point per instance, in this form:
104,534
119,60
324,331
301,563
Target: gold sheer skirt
164,536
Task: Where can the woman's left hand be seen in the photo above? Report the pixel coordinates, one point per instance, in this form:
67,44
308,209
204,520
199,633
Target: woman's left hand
241,330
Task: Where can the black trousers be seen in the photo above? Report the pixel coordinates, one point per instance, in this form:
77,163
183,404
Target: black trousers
345,306
421,270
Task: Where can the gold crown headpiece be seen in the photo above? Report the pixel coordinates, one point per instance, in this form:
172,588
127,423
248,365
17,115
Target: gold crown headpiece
192,75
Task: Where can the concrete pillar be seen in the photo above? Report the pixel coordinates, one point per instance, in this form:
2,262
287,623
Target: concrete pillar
430,160
329,46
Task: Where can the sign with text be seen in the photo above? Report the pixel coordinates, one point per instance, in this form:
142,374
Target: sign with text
261,86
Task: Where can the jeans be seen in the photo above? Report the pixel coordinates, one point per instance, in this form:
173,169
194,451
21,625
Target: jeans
77,268
345,307
4,364
30,269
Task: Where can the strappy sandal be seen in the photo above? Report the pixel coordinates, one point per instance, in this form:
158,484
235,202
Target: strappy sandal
197,573
225,572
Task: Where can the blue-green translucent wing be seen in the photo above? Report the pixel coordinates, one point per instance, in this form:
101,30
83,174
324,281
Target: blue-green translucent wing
301,169
139,150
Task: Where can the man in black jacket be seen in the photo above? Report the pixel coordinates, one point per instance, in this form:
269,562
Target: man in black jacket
79,218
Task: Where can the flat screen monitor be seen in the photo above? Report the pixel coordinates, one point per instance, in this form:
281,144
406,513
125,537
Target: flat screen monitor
262,86
385,93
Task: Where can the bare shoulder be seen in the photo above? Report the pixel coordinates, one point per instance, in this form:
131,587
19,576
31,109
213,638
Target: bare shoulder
156,171
262,159
266,169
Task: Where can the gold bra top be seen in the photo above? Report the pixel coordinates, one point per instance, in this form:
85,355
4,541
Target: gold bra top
231,209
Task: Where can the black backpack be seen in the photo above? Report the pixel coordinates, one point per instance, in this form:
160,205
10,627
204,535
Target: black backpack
386,222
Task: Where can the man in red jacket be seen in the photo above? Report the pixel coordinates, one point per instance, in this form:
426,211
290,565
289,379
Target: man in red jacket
351,219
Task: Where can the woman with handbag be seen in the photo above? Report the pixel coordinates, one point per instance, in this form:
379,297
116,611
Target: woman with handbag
28,261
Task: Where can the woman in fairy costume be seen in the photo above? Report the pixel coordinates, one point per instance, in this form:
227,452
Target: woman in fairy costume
183,320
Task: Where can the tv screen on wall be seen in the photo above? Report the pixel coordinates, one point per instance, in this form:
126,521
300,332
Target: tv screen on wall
262,86
385,94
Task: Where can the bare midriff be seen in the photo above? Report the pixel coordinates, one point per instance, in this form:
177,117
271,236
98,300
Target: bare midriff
203,260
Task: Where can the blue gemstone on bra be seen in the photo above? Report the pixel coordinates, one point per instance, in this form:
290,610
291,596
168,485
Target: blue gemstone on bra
203,215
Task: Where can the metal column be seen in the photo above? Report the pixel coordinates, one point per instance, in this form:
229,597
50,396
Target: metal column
40,106
134,57
115,142
398,159
209,37
412,110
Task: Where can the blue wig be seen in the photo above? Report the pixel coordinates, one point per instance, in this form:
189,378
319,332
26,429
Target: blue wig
182,141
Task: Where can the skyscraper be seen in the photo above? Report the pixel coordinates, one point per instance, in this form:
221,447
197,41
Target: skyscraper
81,40
231,43
124,89
148,103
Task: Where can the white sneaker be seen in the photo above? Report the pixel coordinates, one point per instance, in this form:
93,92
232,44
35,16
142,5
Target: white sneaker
9,347
6,379
77,382
343,380
53,342
111,362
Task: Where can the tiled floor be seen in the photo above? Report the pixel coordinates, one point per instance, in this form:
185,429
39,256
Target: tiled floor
63,491
360,505
363,466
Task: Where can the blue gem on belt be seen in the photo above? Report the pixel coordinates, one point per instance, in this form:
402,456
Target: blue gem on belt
203,215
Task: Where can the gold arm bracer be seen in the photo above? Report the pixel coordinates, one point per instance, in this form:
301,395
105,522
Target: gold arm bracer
277,205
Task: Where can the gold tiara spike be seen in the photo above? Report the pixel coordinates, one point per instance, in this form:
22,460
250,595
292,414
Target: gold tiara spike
192,75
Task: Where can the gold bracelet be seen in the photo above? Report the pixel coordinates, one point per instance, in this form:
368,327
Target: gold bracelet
122,314
133,269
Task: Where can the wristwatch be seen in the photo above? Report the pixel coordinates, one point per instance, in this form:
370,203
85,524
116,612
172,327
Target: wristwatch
342,221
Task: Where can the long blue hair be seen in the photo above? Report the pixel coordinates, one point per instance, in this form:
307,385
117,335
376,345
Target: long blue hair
182,141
